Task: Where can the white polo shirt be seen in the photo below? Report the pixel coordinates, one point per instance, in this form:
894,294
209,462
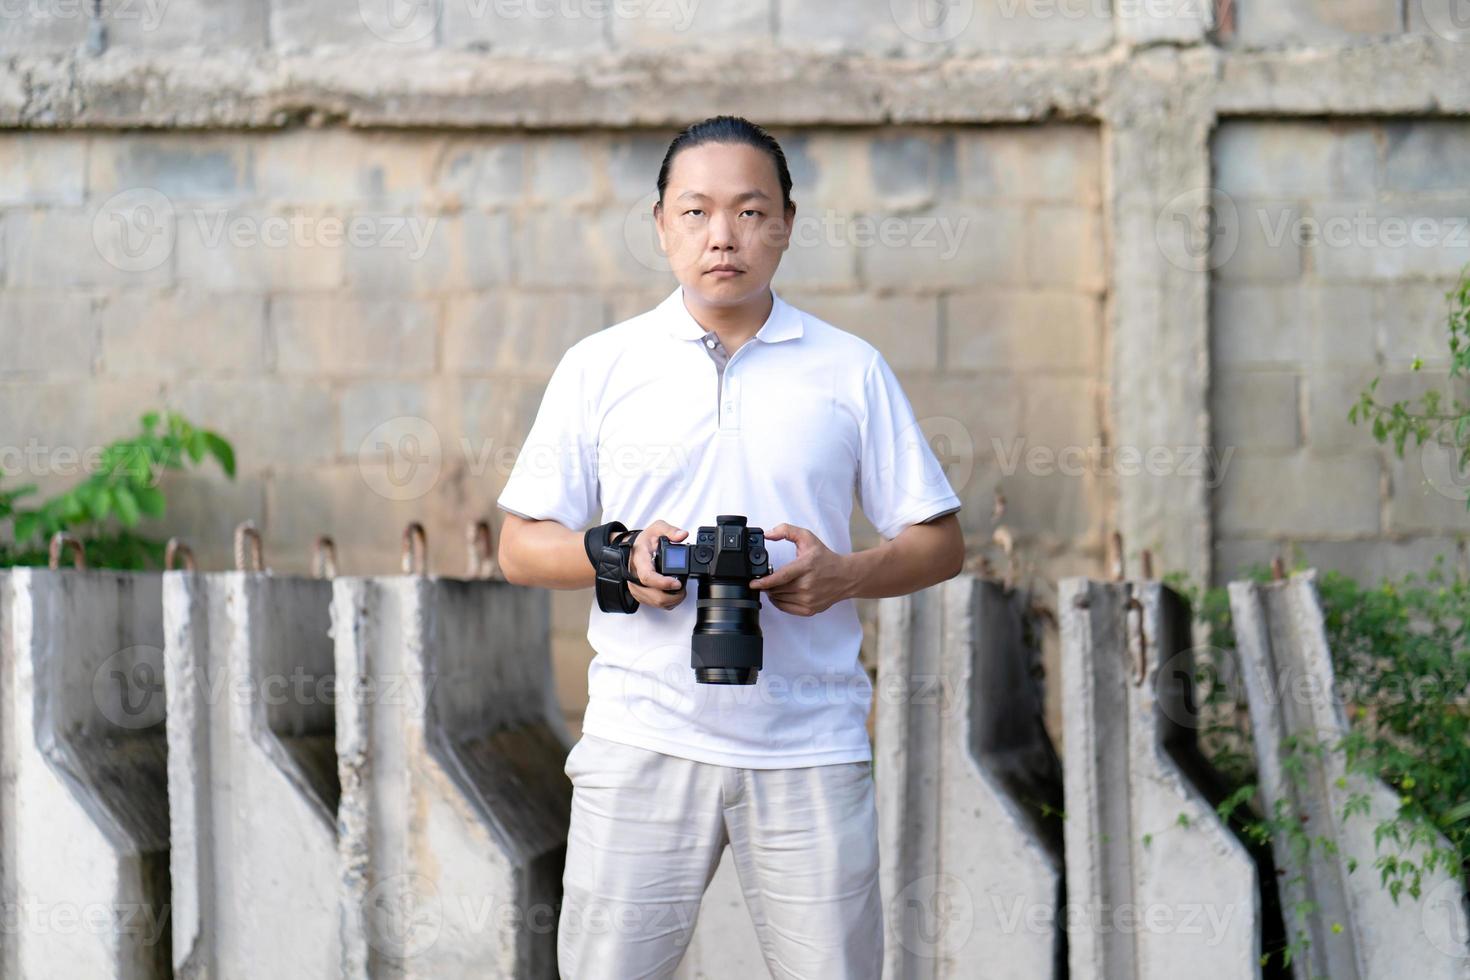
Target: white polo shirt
636,425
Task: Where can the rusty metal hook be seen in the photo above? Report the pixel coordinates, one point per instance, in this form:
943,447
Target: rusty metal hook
323,557
415,549
1278,569
1147,560
246,531
1140,667
482,549
1116,542
175,550
1003,537
78,553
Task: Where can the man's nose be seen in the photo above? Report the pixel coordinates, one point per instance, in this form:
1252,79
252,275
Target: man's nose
721,233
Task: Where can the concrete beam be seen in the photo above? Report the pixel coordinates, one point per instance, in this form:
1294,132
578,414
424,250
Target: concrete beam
1157,180
455,801
252,88
1290,686
252,775
972,866
466,89
83,789
1158,886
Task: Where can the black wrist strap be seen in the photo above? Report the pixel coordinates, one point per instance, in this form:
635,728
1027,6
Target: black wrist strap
609,547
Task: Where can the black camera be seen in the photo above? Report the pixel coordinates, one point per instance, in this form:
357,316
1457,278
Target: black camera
727,631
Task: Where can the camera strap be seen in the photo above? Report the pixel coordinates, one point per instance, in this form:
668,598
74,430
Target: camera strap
610,547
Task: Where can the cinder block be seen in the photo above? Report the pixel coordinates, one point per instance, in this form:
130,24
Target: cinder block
1255,410
455,803
913,169
483,170
84,795
338,334
634,158
1353,926
1406,239
1330,394
1264,243
1059,163
1061,412
1424,155
1022,330
952,247
301,25
368,502
41,168
1371,561
565,171
265,418
1064,247
47,334
252,774
524,28
1413,322
1428,490
55,27
844,25
112,245
182,333
508,331
255,250
314,167
166,24
1307,21
1301,493
385,412
904,328
1283,160
423,254
682,25
185,167
1291,324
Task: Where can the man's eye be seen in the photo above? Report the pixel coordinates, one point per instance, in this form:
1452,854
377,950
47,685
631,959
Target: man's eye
750,211
694,211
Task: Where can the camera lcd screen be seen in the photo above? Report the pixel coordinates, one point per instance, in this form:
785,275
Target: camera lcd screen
676,558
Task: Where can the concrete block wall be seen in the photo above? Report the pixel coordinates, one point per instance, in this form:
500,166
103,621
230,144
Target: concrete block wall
1334,247
368,381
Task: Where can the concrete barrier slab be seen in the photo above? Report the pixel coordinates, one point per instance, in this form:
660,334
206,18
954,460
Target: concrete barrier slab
455,802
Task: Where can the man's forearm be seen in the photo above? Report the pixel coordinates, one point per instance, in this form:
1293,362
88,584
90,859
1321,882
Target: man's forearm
920,556
544,555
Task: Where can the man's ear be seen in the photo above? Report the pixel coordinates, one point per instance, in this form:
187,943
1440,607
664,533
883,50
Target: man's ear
658,226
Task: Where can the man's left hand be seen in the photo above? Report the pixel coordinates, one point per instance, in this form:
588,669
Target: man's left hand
812,581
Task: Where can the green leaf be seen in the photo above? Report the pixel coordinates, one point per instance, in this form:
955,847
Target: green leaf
222,451
150,501
127,505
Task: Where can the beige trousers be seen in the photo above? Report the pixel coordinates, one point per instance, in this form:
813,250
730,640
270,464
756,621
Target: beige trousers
648,831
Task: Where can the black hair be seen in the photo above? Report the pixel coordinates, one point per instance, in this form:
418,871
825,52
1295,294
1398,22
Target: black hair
727,129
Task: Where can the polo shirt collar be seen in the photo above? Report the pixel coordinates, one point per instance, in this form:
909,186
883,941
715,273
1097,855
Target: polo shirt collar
783,323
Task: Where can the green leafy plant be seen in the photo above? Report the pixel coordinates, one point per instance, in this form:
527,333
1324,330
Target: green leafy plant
1435,416
103,510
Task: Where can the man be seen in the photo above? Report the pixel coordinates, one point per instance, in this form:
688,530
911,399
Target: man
725,399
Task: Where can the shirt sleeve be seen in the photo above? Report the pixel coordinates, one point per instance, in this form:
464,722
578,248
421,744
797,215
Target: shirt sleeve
900,481
555,473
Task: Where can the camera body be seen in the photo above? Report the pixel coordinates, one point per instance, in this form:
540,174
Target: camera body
727,642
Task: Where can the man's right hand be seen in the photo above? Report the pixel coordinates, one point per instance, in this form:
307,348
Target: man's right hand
663,591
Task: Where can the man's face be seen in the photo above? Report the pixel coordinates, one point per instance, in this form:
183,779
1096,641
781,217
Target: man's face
722,210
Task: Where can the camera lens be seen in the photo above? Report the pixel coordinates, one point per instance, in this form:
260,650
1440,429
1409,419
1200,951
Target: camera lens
727,640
